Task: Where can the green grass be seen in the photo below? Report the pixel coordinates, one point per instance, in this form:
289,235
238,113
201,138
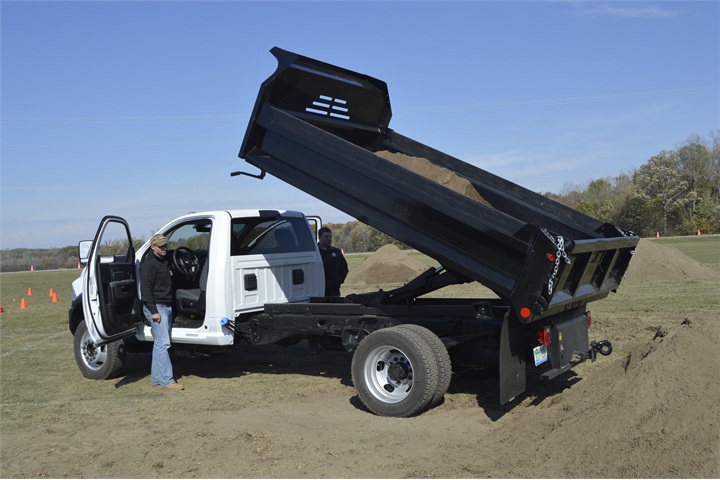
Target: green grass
36,352
41,312
704,248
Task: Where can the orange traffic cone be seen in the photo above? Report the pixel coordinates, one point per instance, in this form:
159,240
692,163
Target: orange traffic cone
29,292
23,304
51,293
54,298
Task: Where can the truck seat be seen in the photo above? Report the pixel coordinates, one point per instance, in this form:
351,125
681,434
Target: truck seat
191,301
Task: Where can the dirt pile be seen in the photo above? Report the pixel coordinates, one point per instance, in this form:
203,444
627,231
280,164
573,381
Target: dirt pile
653,262
388,264
433,172
630,418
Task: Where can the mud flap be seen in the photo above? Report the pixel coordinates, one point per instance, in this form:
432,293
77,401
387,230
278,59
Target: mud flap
512,360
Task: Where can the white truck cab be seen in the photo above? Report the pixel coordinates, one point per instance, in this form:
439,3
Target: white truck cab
224,264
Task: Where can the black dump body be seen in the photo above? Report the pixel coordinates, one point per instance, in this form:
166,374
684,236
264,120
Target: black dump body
320,128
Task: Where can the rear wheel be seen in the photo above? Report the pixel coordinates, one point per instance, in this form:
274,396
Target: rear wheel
98,363
395,372
441,356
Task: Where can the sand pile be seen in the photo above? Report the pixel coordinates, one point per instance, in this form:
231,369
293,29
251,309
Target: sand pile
650,414
388,264
653,262
433,172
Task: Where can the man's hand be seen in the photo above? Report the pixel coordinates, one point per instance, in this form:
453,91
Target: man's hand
156,317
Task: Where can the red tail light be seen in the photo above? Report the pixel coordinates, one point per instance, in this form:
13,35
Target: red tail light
544,335
589,318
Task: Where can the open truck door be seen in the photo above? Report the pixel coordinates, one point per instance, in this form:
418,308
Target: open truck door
110,284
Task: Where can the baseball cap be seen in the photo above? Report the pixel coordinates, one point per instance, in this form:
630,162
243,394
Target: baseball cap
158,239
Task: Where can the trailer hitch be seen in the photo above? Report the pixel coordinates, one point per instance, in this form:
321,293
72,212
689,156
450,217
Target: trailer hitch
604,347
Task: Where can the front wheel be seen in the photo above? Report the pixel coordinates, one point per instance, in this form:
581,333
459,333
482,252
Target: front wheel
98,363
395,372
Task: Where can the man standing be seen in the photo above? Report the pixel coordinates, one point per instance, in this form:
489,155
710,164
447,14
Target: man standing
336,267
156,291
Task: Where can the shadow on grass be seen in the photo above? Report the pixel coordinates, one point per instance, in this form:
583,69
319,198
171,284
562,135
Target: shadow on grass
295,359
234,363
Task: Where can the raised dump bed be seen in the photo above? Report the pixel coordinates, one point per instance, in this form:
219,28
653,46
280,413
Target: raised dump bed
325,130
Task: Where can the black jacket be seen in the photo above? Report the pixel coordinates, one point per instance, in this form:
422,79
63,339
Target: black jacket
336,269
155,282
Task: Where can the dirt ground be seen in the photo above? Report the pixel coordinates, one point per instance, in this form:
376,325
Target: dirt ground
273,412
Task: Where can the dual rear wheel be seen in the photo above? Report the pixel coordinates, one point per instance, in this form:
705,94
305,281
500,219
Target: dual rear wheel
401,371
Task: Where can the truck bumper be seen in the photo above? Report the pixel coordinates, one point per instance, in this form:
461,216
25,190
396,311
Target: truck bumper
569,346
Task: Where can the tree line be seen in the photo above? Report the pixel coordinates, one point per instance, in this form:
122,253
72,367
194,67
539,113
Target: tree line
676,192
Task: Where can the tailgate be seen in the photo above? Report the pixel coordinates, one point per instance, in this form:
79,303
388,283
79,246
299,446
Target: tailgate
561,274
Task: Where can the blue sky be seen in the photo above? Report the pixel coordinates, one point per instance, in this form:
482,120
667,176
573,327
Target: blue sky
138,109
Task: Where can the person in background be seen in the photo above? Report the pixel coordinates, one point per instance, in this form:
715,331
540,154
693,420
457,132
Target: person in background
156,291
334,263
336,270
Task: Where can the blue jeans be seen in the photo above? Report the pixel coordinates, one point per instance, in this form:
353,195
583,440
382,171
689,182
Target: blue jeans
161,371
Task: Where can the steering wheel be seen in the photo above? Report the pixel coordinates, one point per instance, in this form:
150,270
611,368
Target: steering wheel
186,262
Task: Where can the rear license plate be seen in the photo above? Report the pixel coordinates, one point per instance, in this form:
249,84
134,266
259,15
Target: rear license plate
540,354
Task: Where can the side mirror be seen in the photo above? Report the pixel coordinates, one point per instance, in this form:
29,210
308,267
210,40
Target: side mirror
84,248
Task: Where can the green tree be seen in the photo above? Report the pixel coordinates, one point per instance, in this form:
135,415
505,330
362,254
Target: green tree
597,200
640,215
694,161
714,176
662,185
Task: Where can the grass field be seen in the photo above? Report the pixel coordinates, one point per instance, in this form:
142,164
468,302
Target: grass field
44,323
704,248
41,387
40,331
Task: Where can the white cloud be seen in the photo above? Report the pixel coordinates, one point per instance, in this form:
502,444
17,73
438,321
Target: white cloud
623,10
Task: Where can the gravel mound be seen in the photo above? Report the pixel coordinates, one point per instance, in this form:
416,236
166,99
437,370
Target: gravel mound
653,262
388,264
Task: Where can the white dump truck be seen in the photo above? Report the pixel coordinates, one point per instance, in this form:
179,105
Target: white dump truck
254,277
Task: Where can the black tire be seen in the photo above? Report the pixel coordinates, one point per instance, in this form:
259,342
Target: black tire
441,356
395,372
98,363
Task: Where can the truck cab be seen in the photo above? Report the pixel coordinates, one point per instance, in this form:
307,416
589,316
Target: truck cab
224,264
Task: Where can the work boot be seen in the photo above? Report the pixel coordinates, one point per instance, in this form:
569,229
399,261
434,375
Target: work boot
174,386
